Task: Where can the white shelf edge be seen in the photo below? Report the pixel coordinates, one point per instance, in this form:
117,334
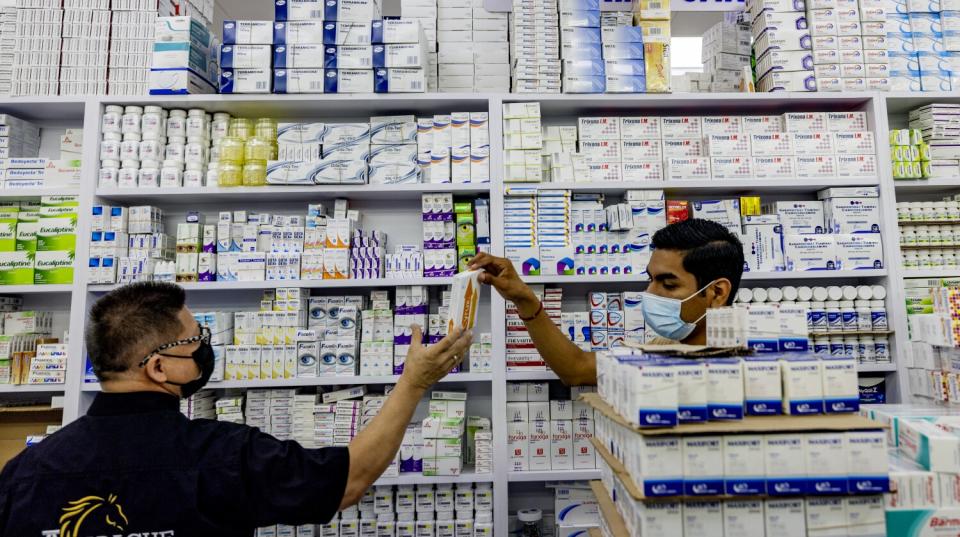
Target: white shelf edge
280,192
8,193
794,184
554,475
932,273
320,381
514,375
303,284
876,368
747,276
35,289
420,479
32,388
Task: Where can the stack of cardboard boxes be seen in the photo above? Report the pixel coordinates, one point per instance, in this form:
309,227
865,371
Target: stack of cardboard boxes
184,57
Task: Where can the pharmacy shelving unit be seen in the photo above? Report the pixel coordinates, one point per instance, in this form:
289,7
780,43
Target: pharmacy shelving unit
897,110
487,391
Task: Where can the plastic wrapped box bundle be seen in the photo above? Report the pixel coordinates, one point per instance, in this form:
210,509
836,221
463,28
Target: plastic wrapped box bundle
184,59
783,41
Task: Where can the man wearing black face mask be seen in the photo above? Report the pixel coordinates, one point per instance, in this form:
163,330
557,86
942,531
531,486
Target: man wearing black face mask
134,465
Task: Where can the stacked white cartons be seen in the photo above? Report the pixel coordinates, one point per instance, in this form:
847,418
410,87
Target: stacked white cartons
553,231
442,431
258,409
346,421
230,409
200,406
86,35
927,35
873,27
725,52
455,42
281,413
950,18
8,47
251,38
18,138
425,12
581,49
780,28
521,354
36,62
491,50
838,39
132,27
623,62
535,46
184,57
324,422
303,420
523,142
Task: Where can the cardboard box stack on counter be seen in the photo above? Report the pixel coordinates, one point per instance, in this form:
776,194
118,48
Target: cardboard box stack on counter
548,434
30,353
654,391
448,509
928,149
793,145
184,59
130,244
324,47
473,49
924,473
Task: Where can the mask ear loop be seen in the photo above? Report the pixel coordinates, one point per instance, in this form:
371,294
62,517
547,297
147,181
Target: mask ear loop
697,292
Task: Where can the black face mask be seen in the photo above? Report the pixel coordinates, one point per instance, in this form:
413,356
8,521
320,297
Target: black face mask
204,358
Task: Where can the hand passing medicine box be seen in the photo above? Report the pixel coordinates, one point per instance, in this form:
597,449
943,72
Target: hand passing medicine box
464,299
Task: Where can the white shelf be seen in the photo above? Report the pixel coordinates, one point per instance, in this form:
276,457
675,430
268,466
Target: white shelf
554,475
901,102
321,381
531,375
932,273
36,108
169,196
35,289
876,368
303,284
24,193
32,388
766,186
747,276
420,479
926,186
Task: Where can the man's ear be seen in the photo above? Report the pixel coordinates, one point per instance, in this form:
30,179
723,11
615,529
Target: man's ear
720,293
154,369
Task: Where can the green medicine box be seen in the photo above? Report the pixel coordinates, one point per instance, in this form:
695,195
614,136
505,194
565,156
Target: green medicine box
16,268
54,267
8,231
27,236
56,234
60,201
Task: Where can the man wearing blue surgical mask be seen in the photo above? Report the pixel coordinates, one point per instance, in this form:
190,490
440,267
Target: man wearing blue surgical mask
695,265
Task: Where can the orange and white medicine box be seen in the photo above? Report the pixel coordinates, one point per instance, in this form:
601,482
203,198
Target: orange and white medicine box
464,299
640,150
813,143
804,121
647,128
816,166
772,144
721,125
731,167
683,147
600,150
854,143
762,124
688,168
599,128
675,127
846,121
857,166
778,167
728,145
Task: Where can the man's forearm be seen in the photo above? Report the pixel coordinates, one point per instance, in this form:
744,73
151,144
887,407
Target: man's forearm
572,364
372,450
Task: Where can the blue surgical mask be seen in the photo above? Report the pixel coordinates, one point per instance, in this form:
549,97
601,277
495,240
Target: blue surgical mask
662,314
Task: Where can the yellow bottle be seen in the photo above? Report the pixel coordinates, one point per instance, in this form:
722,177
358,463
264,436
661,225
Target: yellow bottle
229,173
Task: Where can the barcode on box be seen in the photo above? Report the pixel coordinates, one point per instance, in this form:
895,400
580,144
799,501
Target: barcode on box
261,85
316,14
316,85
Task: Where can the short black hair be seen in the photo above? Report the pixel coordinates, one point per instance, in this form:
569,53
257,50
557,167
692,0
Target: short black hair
710,251
128,323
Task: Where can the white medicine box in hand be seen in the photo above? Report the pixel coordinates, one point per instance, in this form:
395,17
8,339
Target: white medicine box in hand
464,299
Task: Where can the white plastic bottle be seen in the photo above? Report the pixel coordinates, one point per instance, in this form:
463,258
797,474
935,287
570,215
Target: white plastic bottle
483,525
848,315
878,316
864,320
110,123
817,317
834,317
